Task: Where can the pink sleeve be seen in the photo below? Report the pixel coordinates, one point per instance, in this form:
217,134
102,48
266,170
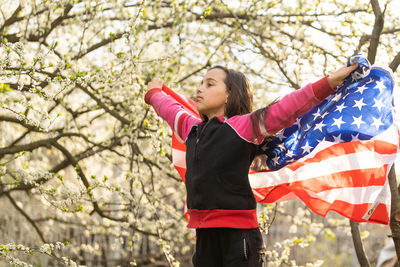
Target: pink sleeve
254,127
172,112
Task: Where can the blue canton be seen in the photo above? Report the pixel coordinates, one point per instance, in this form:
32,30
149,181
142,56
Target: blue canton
359,110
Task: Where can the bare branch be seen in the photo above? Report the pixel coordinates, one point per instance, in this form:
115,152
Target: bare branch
376,31
395,62
14,18
53,25
34,145
23,213
395,210
358,245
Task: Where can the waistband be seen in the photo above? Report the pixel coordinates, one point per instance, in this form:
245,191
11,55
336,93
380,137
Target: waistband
243,219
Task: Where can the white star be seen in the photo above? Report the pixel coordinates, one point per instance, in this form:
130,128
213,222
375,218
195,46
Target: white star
338,138
361,89
378,104
345,96
377,122
336,97
370,81
319,126
306,148
354,138
359,103
379,85
338,122
275,160
264,147
281,146
340,107
316,114
329,98
308,127
357,121
290,154
324,114
281,136
297,122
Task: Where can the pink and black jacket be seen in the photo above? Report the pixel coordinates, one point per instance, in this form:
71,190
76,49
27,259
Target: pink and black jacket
219,153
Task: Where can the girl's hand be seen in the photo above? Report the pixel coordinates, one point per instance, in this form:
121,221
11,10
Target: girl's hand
338,77
155,83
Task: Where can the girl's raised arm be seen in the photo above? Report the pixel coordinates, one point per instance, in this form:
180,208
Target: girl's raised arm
254,127
170,110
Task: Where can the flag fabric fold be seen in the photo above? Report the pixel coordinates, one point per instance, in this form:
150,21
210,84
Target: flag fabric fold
334,158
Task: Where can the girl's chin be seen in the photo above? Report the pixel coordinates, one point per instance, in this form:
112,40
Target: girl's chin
199,107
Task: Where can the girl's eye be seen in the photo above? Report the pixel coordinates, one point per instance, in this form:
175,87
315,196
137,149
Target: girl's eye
209,84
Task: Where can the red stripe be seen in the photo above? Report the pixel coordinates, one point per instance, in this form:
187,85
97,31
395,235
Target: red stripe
181,171
243,219
191,106
345,179
272,193
355,212
352,178
177,145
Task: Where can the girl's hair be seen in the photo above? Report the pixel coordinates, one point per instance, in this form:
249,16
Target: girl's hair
240,99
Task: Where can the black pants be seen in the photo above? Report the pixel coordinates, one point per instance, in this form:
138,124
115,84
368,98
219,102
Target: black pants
227,247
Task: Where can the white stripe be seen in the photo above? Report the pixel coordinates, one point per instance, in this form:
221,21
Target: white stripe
389,135
360,160
176,125
179,158
353,195
184,98
257,194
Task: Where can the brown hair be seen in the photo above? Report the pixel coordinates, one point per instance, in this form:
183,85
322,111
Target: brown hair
240,99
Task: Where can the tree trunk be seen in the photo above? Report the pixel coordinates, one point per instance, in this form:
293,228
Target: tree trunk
395,211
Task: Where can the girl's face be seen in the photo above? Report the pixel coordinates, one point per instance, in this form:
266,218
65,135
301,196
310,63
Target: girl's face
212,94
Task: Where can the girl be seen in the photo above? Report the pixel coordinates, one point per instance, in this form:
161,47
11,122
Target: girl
219,151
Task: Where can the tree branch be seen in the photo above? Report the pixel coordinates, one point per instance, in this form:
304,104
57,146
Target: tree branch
26,217
54,24
395,210
376,31
358,245
34,145
14,18
395,63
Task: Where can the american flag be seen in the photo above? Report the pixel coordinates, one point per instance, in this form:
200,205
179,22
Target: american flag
335,157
